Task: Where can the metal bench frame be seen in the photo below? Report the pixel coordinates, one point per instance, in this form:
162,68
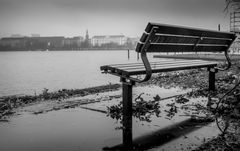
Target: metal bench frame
147,45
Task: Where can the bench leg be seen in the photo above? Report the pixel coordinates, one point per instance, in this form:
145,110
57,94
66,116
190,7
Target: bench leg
127,115
211,80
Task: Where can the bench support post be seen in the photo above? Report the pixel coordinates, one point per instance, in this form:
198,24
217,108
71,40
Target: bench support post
127,114
211,79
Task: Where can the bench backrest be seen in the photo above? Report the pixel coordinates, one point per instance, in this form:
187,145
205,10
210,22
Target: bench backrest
169,38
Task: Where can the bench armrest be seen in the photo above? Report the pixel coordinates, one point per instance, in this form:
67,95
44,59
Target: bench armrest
228,62
147,67
144,55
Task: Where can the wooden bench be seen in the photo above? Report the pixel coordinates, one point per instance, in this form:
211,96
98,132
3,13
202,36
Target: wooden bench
168,38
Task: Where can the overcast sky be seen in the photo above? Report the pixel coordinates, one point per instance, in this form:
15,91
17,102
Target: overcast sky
129,17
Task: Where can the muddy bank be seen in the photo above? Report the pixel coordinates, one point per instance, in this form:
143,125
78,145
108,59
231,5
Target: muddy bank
210,57
9,103
227,142
68,103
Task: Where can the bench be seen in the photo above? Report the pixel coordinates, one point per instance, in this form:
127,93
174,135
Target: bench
168,38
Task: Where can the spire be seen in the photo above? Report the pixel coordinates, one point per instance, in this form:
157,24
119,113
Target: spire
87,36
87,40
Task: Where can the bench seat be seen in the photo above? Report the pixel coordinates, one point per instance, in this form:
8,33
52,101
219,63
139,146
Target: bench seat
160,66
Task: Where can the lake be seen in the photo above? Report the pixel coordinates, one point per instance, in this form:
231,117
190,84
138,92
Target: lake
29,72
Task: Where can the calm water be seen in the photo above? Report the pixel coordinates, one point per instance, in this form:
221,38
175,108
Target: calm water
30,72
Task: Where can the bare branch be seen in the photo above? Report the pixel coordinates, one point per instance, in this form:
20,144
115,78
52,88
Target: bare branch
232,4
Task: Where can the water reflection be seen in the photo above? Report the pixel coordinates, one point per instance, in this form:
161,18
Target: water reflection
156,138
70,129
127,134
127,127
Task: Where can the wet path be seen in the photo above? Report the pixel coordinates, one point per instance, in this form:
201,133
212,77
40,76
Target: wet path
83,129
69,129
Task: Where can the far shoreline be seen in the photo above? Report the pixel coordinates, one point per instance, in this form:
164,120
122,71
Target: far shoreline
67,50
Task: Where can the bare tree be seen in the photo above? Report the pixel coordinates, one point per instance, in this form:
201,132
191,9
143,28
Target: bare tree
232,5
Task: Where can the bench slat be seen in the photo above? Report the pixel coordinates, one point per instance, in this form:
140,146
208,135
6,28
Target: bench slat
166,69
171,47
160,61
128,66
180,30
163,66
187,39
169,38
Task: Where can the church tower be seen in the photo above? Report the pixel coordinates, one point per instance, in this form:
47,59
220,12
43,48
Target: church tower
87,40
87,36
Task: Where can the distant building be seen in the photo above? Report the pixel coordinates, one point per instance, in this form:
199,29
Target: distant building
53,42
16,36
73,42
32,43
14,42
35,35
103,39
